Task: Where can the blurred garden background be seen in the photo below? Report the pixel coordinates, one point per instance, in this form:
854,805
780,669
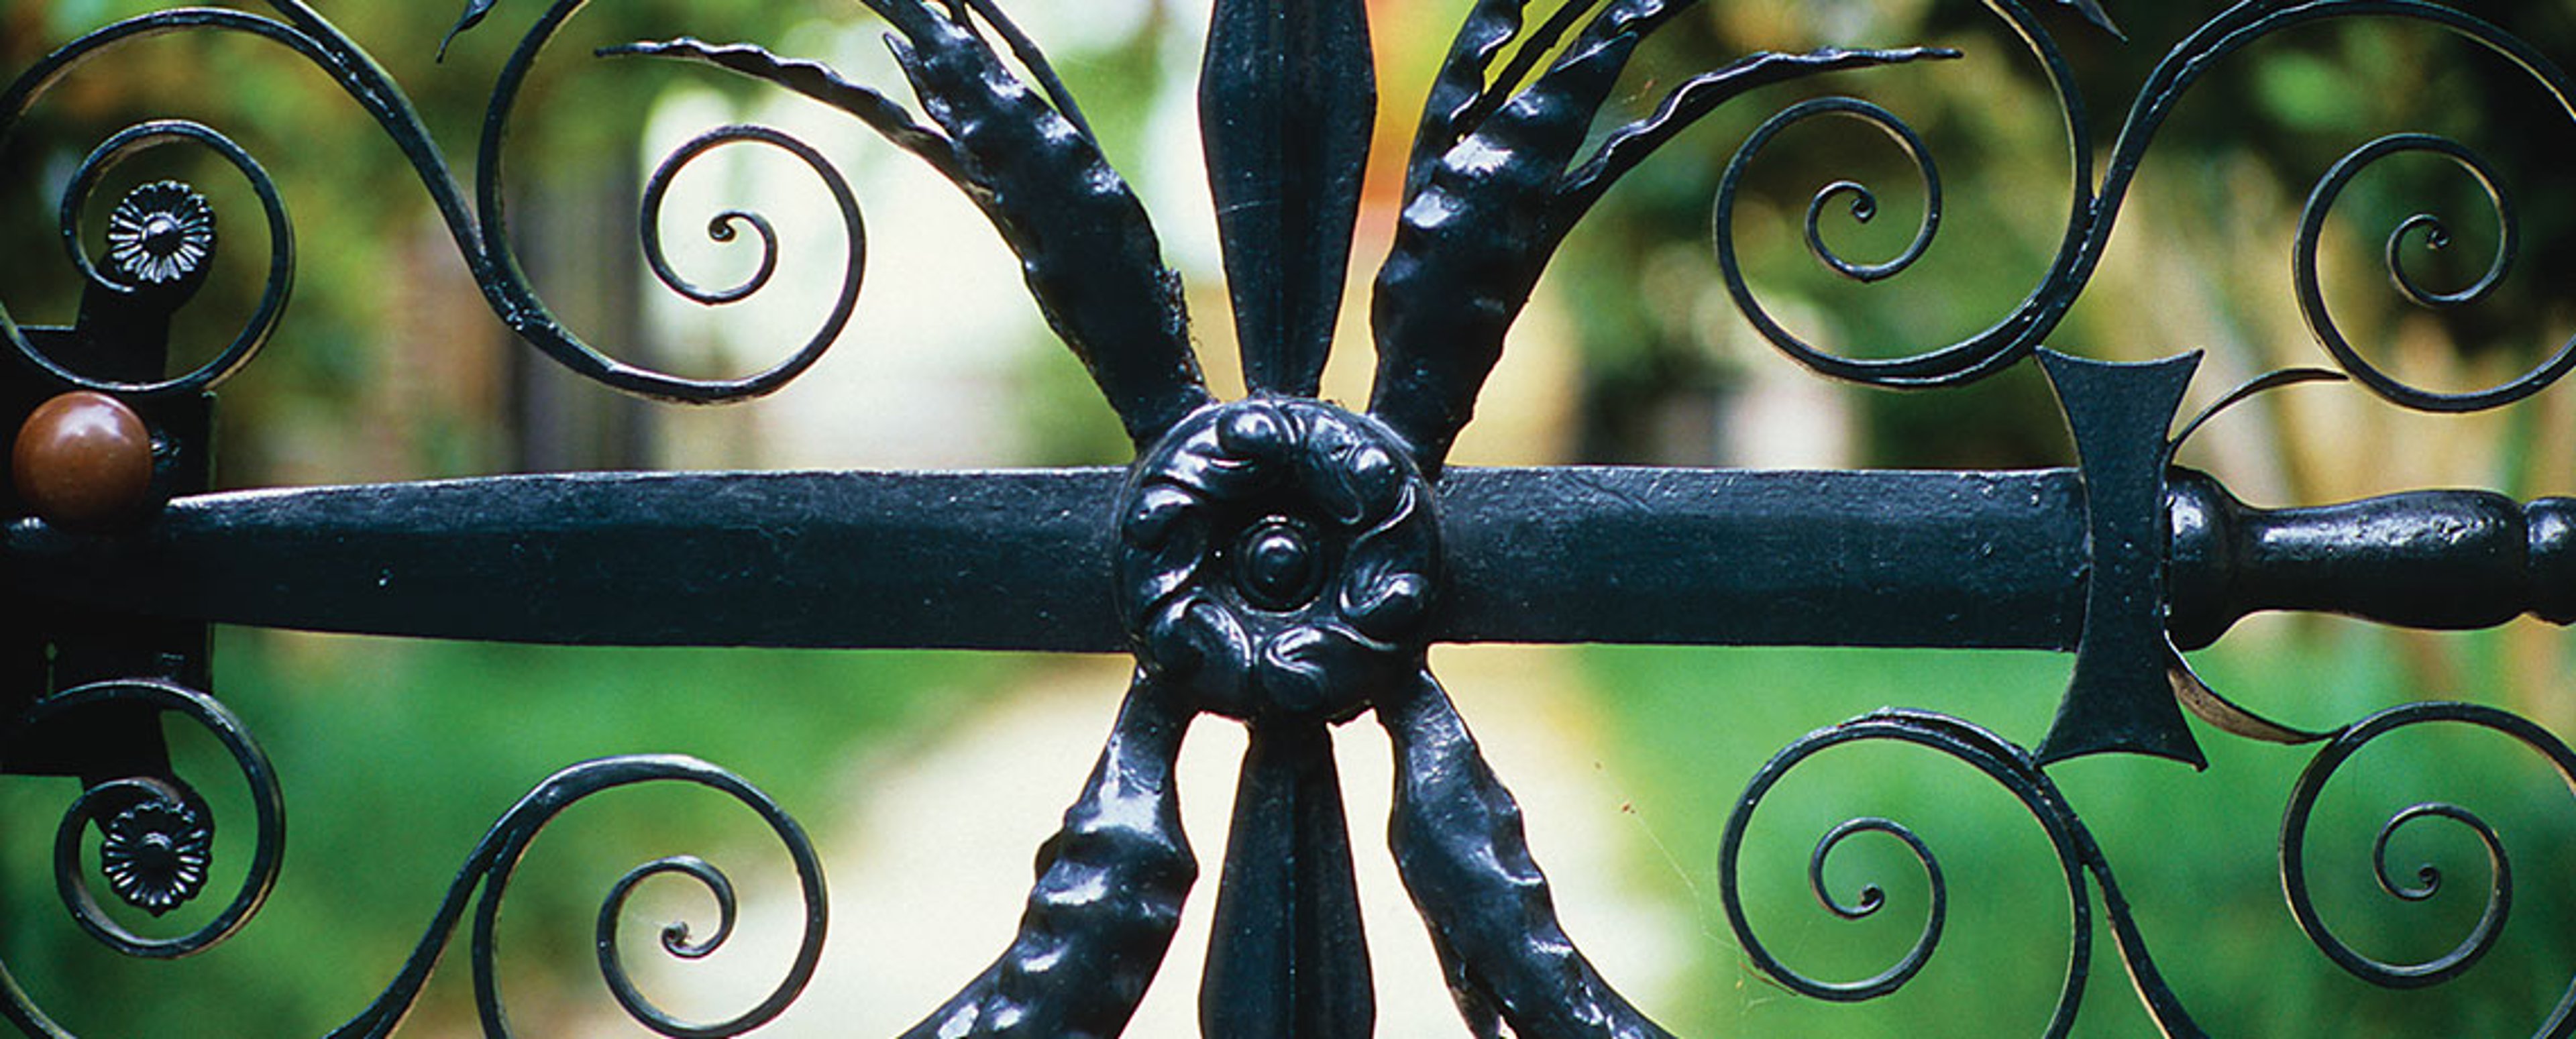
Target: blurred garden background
397,754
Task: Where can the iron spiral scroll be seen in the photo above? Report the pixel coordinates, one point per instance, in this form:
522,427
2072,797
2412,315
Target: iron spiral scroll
2019,773
1283,561
480,228
164,829
2095,202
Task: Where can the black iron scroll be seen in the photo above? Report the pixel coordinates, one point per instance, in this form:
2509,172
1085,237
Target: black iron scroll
1277,560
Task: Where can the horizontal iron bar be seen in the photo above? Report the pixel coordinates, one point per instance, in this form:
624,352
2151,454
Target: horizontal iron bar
1020,559
951,559
1761,557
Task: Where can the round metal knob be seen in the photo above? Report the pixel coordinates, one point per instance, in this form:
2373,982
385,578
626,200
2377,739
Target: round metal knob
83,459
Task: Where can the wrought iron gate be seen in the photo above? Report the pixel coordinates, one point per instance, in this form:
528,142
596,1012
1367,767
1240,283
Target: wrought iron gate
1278,560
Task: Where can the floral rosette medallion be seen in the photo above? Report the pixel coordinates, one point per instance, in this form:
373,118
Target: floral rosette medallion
155,855
1272,543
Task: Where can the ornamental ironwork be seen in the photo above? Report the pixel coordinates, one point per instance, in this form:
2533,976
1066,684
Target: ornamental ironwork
1279,560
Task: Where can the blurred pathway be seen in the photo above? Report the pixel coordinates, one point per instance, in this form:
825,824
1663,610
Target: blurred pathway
928,873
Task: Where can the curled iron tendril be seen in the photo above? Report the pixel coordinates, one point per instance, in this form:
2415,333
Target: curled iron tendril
2435,234
2013,769
1025,158
489,869
2428,878
1864,202
676,940
1864,208
489,249
495,859
1958,739
481,229
2095,207
722,227
280,280
2482,936
2078,855
1874,897
104,804
96,805
1997,347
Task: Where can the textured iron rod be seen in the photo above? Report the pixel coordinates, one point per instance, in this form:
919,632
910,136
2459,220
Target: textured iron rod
921,559
1636,555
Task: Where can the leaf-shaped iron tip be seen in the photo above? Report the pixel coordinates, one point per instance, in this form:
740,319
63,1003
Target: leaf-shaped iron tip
2209,706
814,80
2264,383
474,13
2092,12
1287,96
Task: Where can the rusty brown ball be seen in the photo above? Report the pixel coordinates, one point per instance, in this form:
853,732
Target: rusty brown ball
83,460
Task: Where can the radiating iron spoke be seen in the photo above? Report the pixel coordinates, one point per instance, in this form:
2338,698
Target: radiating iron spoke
1288,959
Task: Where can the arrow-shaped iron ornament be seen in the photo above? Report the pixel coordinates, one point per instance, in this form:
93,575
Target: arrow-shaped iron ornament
1277,560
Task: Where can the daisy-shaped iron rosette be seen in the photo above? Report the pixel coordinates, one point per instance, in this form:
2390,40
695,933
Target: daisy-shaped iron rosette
159,234
155,855
1278,557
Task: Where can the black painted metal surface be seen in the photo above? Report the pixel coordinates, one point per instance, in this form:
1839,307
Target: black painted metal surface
1278,560
837,558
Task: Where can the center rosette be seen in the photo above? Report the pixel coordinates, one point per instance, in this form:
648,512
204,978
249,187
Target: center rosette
1279,559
